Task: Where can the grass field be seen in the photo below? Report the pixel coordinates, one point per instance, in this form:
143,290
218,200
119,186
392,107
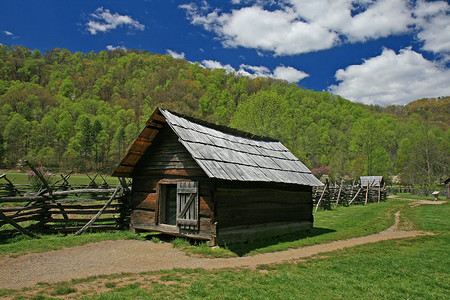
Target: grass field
75,179
415,268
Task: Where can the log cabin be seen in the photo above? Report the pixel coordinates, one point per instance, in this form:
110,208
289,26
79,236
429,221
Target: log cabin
205,181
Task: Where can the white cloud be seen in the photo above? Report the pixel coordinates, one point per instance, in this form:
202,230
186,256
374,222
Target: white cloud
111,47
8,32
392,78
301,26
175,54
281,72
433,23
212,64
102,20
279,31
357,20
289,73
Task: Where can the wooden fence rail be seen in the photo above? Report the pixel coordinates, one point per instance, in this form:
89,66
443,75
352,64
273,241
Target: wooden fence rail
62,207
341,194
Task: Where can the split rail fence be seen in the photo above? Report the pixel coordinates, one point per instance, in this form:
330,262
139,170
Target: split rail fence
61,207
332,195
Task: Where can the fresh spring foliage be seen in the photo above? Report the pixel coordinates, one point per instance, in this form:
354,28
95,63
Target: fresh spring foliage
80,111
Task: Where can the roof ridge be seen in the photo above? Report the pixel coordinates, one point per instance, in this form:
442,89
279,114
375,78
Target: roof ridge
223,128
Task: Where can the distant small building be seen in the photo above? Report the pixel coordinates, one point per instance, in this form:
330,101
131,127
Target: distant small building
374,187
371,181
197,179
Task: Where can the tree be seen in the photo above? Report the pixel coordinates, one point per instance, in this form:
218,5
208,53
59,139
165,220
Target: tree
424,155
16,135
367,136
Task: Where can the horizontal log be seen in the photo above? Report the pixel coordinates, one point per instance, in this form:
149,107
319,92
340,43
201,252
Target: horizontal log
85,206
38,211
80,220
22,208
44,197
143,217
22,199
233,197
77,200
84,212
25,219
76,228
83,191
145,200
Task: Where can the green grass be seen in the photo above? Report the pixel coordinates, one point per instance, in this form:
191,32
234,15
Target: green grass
414,268
418,197
63,290
23,244
429,218
337,224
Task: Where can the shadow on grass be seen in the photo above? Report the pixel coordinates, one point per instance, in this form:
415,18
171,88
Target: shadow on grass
242,249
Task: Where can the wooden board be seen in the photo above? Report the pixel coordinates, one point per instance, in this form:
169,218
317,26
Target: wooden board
239,207
143,217
248,233
207,229
148,201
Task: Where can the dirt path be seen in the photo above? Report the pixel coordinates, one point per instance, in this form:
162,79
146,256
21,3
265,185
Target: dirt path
131,256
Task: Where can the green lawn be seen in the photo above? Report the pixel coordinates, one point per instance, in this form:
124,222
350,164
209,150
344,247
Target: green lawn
75,179
414,268
23,244
331,225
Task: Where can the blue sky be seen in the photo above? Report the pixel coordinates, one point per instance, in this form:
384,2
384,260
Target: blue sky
370,51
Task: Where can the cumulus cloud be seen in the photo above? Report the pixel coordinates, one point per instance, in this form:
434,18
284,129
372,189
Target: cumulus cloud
102,20
279,31
175,54
289,74
392,78
301,26
212,64
357,20
433,23
111,47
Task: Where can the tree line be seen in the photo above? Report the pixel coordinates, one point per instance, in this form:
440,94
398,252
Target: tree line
80,111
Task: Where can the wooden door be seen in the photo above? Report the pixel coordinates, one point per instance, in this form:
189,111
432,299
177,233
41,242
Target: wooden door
187,205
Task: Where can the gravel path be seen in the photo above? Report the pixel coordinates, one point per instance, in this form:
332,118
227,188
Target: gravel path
132,256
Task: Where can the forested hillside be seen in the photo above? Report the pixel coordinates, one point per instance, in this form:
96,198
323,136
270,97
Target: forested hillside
80,111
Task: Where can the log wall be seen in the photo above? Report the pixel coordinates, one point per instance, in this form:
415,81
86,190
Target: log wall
166,161
251,211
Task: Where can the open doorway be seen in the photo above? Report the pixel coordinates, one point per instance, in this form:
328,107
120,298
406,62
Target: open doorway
168,202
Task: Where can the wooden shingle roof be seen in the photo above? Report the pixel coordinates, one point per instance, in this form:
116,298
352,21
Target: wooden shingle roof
374,181
224,153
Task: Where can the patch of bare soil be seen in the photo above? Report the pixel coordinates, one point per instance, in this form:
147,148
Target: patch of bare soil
132,256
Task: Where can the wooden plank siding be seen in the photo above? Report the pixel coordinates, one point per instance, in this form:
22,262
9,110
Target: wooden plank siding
168,162
252,212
